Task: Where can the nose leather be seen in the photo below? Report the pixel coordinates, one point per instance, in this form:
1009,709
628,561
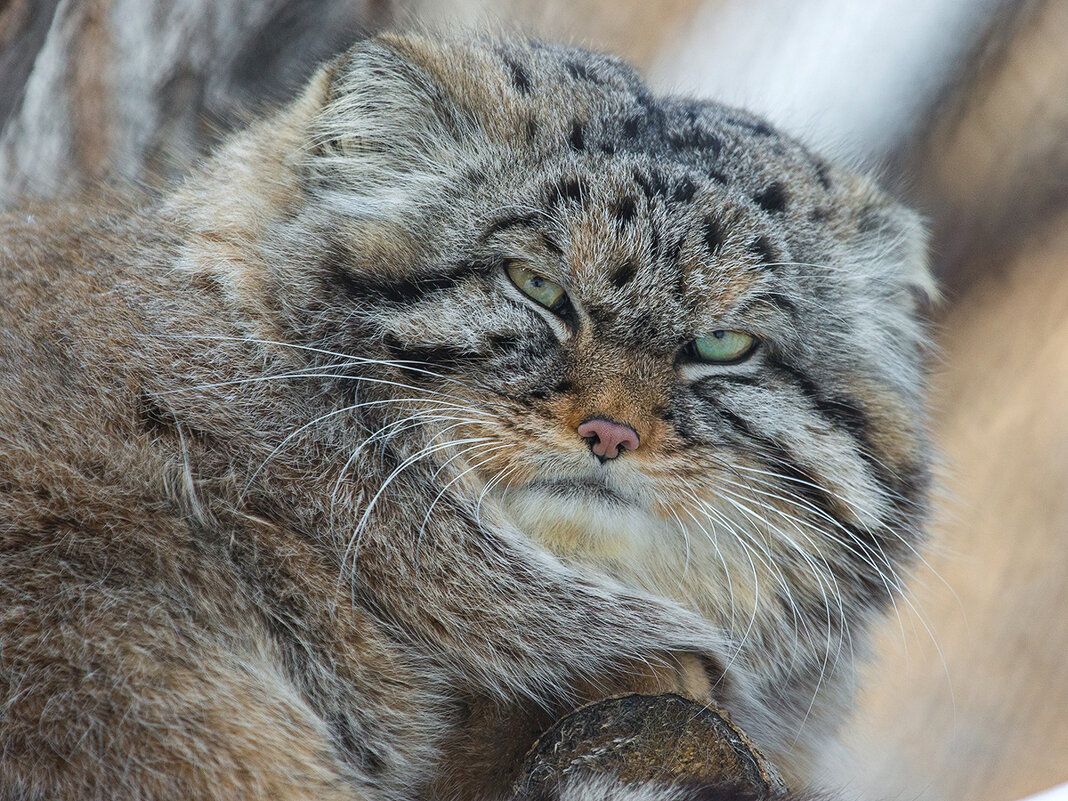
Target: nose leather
608,438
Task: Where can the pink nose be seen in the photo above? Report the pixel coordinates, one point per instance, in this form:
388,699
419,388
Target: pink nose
608,438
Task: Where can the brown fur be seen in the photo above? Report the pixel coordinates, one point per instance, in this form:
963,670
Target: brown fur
232,569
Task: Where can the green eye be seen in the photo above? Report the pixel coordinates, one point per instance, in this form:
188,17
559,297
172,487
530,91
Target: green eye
725,347
537,287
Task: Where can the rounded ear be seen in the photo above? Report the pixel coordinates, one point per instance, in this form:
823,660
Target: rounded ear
387,129
893,240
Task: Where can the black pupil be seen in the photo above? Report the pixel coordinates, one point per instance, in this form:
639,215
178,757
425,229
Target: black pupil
719,334
537,280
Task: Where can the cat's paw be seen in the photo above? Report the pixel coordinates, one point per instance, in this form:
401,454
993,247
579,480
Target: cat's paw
689,675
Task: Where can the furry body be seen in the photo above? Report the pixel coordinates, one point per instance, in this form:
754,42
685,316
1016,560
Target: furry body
292,500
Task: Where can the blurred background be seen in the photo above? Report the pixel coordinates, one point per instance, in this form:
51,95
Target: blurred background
961,106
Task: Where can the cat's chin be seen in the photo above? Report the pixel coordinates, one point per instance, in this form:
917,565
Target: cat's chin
587,518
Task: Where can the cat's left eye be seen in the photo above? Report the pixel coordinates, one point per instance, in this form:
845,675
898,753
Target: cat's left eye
537,287
724,347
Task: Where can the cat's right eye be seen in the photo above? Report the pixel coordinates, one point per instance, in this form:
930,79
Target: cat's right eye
537,287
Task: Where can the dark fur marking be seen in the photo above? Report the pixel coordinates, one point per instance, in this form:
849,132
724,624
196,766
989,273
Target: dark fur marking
772,198
823,173
622,275
713,235
566,190
505,342
631,127
475,175
532,130
402,291
625,211
577,138
603,316
652,185
512,221
760,128
818,214
153,418
608,148
520,77
673,252
762,248
696,138
654,243
423,356
781,301
684,191
581,72
718,177
551,245
562,386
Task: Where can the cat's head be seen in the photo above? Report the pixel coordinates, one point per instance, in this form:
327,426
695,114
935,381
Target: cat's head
650,323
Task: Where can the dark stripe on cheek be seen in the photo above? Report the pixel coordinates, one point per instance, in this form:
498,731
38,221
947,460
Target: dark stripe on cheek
842,412
800,482
684,191
426,357
504,343
336,267
909,483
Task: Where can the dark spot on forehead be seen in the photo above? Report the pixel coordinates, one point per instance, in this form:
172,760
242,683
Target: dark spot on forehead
622,275
673,251
631,127
652,184
684,191
696,138
520,77
566,190
772,198
582,72
758,127
713,235
625,210
576,138
762,248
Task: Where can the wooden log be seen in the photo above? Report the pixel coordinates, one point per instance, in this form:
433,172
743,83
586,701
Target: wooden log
638,739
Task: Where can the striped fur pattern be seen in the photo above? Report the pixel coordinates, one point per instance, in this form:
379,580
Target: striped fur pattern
289,469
